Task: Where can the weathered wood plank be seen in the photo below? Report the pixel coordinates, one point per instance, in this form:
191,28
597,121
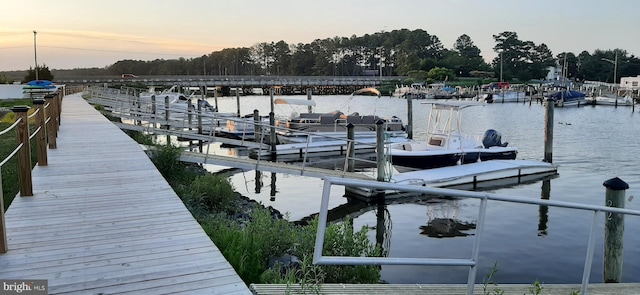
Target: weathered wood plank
103,220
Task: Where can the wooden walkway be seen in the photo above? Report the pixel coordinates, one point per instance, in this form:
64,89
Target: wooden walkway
104,221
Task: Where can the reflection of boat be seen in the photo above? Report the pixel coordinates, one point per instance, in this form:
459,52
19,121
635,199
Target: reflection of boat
445,145
568,98
316,127
443,221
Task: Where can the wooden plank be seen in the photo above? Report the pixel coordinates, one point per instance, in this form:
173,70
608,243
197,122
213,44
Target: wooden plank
103,220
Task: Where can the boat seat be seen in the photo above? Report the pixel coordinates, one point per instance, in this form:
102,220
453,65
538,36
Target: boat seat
437,141
368,119
354,120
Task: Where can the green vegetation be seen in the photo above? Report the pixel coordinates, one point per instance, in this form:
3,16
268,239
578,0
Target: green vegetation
43,74
248,240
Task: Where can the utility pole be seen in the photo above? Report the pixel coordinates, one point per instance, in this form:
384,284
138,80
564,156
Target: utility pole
35,52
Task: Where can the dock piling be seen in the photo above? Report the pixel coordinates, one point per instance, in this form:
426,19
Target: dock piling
380,160
548,131
614,230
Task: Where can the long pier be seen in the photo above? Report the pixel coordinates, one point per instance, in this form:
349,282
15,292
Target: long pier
103,220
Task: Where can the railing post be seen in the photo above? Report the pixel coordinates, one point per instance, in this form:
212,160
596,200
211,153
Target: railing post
52,129
24,155
41,139
58,99
614,230
3,228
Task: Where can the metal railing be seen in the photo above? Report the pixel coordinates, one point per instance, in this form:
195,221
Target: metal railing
470,262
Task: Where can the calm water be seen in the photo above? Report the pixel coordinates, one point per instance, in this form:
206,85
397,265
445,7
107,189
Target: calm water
591,145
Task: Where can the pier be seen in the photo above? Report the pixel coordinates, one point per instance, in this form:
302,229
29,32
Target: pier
103,220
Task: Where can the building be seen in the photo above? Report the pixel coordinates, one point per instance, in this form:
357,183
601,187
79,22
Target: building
630,82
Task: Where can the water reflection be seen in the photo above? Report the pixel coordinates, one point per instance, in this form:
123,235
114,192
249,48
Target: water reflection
443,220
544,210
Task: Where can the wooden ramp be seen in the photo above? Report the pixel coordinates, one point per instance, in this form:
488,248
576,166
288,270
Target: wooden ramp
104,221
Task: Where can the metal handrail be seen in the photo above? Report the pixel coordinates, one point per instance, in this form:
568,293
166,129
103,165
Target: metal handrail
484,197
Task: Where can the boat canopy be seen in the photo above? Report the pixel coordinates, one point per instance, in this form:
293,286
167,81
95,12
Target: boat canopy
453,104
367,90
294,101
567,94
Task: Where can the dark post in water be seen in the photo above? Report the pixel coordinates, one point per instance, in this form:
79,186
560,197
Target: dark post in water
310,110
350,148
409,117
380,150
548,131
614,230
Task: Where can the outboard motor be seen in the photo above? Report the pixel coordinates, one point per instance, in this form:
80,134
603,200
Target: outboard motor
492,138
488,98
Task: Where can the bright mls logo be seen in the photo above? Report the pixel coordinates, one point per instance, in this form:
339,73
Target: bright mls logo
23,287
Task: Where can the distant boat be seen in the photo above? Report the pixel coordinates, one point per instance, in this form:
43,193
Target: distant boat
38,88
315,127
610,101
567,98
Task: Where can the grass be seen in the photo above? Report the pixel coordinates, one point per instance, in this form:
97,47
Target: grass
249,240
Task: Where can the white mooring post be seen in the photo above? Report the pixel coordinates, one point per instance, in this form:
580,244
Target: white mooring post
614,230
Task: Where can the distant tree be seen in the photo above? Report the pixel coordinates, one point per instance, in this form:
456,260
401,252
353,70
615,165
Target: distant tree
43,74
4,79
519,59
441,74
465,47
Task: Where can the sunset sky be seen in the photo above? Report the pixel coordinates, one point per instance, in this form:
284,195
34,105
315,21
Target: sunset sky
82,34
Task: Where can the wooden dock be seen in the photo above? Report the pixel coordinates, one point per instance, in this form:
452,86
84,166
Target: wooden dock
104,221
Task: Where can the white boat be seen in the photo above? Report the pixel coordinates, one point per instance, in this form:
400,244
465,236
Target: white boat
609,101
317,127
446,145
504,96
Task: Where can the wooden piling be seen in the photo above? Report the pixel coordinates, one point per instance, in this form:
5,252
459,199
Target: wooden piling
41,138
24,155
215,97
272,134
350,147
238,102
409,117
548,131
380,160
257,128
309,92
614,230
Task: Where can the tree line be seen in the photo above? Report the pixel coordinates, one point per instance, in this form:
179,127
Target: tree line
395,53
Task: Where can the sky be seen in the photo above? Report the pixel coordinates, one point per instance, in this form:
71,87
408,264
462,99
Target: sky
83,34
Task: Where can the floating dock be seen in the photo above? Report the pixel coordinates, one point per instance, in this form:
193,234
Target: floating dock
481,175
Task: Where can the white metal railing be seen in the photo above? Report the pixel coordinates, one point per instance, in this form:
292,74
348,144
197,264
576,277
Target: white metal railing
471,262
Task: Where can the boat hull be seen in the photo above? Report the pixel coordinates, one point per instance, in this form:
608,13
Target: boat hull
437,159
